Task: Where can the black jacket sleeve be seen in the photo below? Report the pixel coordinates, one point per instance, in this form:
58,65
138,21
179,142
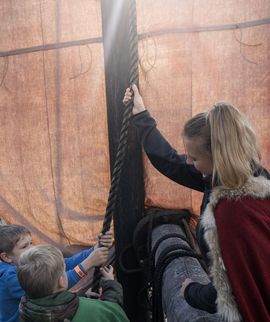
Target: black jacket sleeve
112,291
201,296
163,157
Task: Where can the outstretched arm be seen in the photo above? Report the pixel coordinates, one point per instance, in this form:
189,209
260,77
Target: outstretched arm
96,258
161,154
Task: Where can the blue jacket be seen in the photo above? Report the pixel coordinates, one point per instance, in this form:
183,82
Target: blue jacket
11,291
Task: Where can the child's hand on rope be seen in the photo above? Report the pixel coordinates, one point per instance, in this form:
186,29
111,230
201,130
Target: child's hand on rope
107,272
96,258
133,94
105,240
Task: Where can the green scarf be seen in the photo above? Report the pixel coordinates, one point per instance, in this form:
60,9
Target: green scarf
53,308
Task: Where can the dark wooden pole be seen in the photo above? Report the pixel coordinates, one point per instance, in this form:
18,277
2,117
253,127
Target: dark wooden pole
130,203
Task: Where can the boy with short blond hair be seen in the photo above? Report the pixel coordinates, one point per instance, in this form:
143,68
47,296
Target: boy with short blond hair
39,269
41,273
14,240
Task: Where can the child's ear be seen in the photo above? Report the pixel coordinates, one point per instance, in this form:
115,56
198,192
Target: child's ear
62,282
5,258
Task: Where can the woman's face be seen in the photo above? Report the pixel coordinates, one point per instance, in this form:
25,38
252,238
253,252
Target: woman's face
198,156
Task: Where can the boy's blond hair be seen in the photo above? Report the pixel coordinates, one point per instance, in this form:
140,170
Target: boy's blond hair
231,142
10,235
39,269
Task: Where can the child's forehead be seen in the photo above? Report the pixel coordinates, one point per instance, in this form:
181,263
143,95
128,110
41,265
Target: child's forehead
24,238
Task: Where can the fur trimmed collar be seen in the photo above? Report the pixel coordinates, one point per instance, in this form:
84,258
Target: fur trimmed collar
257,187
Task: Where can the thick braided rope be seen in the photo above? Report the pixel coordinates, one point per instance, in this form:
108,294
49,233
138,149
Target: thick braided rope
122,146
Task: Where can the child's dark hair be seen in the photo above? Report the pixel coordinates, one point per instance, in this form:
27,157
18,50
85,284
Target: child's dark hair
9,236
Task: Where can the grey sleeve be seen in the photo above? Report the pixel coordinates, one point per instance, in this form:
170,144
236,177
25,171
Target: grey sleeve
112,291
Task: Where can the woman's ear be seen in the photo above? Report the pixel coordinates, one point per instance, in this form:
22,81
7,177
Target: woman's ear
5,258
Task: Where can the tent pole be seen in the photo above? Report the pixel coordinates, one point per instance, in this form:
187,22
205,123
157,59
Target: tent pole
129,205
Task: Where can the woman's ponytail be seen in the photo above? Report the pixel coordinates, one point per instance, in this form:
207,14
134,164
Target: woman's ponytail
233,145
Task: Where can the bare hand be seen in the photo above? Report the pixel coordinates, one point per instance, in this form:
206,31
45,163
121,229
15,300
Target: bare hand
107,272
98,256
186,282
105,240
133,94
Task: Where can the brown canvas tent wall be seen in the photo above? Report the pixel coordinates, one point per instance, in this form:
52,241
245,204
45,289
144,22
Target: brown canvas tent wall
54,157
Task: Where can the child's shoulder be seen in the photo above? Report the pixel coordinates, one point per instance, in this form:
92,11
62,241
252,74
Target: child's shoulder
7,266
7,270
101,310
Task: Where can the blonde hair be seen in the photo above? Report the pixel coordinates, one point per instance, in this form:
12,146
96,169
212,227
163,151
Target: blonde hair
231,141
39,269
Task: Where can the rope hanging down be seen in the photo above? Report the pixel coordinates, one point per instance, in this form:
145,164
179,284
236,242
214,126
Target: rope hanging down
122,146
93,279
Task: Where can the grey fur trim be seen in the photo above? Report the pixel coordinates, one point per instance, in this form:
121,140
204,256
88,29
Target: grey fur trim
256,187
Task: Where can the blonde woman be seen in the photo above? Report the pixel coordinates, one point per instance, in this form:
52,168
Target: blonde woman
222,160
